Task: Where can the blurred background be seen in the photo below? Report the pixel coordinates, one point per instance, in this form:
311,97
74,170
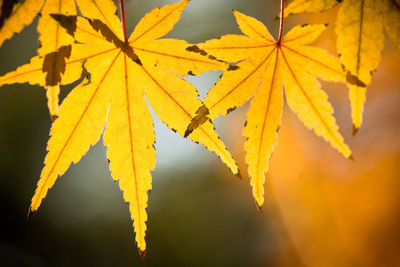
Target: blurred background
320,209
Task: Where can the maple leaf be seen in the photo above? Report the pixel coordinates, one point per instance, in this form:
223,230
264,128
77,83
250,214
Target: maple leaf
265,65
300,6
48,67
16,15
360,39
123,72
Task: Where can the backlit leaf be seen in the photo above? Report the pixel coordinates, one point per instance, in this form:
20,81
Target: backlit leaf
16,15
390,11
300,6
359,30
267,69
53,40
122,75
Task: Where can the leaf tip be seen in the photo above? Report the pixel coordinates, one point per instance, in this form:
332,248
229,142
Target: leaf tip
142,253
69,23
259,207
239,175
355,130
53,117
351,158
230,110
31,213
187,132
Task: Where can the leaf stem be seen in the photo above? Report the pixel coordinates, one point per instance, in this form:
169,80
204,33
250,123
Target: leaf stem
278,43
121,4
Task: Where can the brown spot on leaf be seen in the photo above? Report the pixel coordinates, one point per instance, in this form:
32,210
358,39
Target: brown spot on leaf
199,119
230,110
67,22
6,10
196,49
233,67
351,79
107,33
54,64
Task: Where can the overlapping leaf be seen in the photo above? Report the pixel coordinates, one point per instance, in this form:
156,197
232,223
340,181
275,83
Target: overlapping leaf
299,6
359,29
48,67
16,15
265,66
122,74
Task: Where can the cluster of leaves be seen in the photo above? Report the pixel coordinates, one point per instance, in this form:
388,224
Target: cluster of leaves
359,30
118,72
122,71
265,64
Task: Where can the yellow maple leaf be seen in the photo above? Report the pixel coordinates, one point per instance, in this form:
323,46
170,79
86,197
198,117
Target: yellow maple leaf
122,73
16,15
359,30
265,66
54,42
300,6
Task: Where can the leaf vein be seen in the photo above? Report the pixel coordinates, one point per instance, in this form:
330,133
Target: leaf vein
74,129
309,100
175,56
139,231
265,118
311,59
244,80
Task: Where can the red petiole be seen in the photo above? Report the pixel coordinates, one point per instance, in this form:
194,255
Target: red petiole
121,4
278,43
